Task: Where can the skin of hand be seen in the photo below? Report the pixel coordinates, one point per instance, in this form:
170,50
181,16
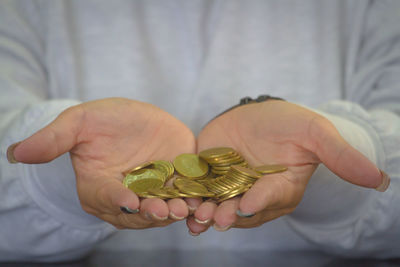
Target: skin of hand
278,132
105,138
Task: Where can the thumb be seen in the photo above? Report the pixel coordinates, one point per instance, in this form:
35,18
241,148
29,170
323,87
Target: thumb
344,160
57,138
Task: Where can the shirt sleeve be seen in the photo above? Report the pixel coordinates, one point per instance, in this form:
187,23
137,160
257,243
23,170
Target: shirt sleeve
334,215
41,218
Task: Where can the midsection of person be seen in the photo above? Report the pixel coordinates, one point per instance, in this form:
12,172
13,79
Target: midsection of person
195,59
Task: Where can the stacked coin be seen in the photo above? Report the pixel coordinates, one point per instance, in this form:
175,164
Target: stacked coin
192,188
149,175
236,181
221,158
191,166
193,178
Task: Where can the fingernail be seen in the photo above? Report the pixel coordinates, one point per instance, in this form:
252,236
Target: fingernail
128,210
10,153
193,234
244,215
385,182
221,228
173,216
155,216
191,210
201,222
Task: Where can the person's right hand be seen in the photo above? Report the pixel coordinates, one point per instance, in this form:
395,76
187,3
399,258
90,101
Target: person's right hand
104,138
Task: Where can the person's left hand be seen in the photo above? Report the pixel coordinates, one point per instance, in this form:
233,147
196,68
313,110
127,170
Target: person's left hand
277,132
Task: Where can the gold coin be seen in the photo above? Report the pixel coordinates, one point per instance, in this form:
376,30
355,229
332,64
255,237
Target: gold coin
215,190
191,166
143,179
204,180
220,160
136,168
164,192
233,193
172,191
240,180
145,195
221,184
226,165
223,168
225,161
230,183
144,185
216,152
210,176
243,164
246,171
235,173
192,188
180,194
165,167
268,169
219,172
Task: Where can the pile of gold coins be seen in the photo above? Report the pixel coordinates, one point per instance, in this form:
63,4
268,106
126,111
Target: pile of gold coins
217,173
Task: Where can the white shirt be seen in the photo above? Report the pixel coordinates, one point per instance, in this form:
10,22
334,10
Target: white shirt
194,59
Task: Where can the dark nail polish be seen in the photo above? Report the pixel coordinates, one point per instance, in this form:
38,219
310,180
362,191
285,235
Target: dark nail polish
244,215
128,210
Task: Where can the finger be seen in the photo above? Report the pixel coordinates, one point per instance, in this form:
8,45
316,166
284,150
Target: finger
202,218
193,204
194,227
178,209
137,221
225,215
271,192
126,221
110,197
57,138
132,221
154,209
205,212
111,219
261,218
106,197
340,157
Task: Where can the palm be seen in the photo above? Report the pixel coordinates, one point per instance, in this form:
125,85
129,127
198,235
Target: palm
105,138
123,134
262,135
277,132
117,134
263,139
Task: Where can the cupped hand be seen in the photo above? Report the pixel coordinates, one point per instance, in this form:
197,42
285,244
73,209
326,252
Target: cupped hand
104,138
277,132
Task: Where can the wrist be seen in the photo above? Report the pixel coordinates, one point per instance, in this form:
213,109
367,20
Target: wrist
248,100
